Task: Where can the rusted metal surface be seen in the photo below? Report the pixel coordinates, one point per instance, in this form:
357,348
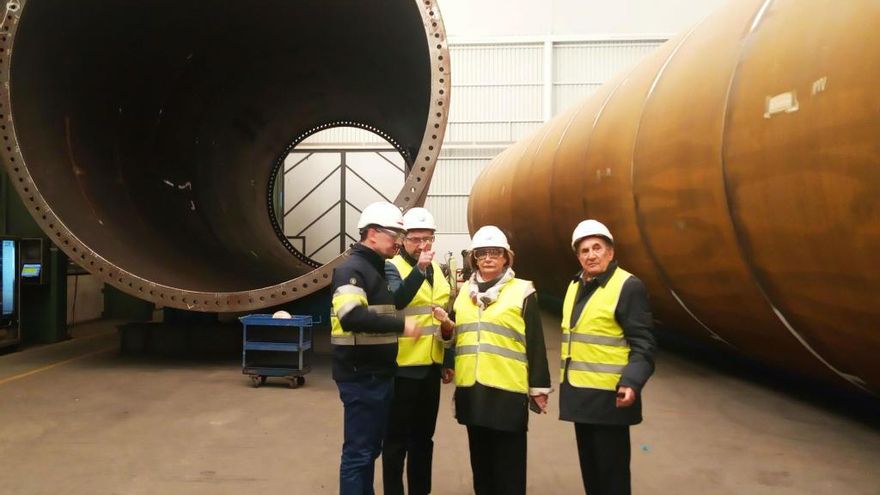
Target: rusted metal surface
739,170
142,135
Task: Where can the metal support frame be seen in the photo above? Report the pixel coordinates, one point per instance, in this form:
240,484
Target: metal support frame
345,173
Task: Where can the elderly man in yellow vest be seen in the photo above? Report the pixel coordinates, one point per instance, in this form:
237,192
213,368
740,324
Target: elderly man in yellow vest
607,356
421,292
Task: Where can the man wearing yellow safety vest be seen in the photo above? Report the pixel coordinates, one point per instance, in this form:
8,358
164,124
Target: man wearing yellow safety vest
500,365
364,332
420,290
607,356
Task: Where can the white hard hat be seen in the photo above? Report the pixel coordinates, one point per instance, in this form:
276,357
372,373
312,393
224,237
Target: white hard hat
281,314
489,236
418,218
589,228
383,214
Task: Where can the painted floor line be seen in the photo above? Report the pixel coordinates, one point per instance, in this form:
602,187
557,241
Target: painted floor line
6,380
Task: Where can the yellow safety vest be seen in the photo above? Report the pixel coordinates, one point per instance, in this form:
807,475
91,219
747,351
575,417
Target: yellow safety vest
425,349
596,345
490,344
346,298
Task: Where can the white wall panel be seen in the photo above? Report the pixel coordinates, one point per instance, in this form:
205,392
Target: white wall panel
477,19
496,88
598,61
580,68
450,213
456,176
496,103
491,63
489,132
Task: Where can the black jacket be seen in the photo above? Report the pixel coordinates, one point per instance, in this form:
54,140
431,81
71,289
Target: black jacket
633,314
365,268
503,410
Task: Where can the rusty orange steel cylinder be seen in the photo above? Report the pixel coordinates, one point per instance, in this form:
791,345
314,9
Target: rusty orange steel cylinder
738,167
145,138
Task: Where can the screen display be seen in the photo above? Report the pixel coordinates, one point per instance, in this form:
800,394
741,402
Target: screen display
7,277
31,270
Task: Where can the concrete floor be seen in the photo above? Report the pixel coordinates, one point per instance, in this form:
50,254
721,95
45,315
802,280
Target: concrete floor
78,418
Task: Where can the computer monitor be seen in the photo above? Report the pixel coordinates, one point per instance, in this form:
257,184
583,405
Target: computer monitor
31,270
30,255
8,278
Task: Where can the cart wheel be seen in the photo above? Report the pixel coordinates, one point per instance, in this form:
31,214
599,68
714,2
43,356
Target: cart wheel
258,380
292,382
300,381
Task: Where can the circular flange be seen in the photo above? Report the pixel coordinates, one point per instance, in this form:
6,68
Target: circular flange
413,192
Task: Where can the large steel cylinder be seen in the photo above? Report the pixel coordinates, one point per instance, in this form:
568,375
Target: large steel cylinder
738,168
142,136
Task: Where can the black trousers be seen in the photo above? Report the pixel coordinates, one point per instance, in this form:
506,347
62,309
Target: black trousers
410,434
498,461
604,452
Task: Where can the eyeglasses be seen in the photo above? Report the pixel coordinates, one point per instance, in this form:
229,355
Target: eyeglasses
420,240
391,233
492,252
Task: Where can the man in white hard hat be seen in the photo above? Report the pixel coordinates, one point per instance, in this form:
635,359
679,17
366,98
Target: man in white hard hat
364,333
421,291
607,357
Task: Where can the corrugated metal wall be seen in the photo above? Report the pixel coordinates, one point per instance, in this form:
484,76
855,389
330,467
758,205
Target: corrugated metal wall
500,94
496,95
579,68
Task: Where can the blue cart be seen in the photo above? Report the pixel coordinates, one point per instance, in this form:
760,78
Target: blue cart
276,347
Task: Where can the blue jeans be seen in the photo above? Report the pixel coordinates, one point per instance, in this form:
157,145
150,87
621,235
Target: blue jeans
367,404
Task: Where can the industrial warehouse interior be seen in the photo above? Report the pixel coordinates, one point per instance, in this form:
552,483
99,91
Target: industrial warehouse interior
190,186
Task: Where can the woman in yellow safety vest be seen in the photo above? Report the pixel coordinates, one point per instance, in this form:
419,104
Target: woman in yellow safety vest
500,365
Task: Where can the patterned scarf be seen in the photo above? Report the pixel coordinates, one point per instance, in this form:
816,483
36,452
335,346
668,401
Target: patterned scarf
483,299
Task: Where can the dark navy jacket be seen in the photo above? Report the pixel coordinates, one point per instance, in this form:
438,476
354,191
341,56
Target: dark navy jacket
365,268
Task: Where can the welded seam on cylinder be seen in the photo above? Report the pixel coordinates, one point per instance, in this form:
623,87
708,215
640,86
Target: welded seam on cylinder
601,111
738,231
698,320
559,145
663,67
759,17
664,277
560,141
632,161
855,380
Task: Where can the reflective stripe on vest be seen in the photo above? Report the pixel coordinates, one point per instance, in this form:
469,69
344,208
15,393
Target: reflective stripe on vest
491,327
361,338
346,298
490,344
595,350
426,349
417,310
